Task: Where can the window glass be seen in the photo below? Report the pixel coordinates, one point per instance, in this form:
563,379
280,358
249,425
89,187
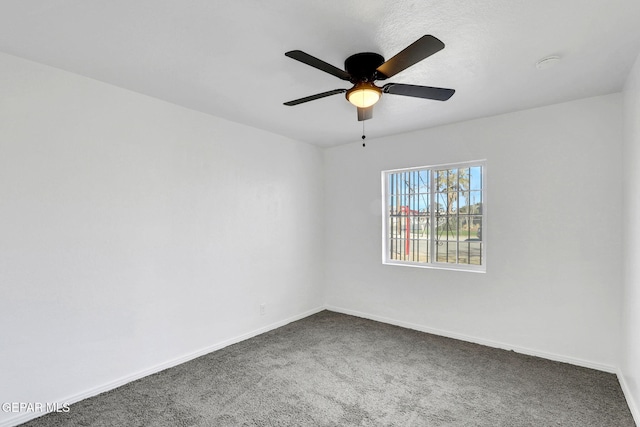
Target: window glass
435,215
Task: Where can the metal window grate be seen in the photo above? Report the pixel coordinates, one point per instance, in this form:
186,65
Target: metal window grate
435,215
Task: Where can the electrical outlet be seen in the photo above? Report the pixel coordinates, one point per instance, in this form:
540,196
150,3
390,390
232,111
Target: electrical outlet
263,309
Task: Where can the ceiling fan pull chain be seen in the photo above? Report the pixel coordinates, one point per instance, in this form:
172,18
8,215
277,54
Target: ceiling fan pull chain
363,135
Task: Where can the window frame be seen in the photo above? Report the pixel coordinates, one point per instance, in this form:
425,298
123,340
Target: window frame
386,214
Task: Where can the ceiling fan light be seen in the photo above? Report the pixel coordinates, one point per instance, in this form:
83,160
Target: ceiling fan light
364,94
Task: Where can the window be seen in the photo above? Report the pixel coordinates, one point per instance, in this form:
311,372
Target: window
435,216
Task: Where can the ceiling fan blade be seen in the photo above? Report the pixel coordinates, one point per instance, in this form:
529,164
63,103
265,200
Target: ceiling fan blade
427,92
422,48
314,97
303,57
365,113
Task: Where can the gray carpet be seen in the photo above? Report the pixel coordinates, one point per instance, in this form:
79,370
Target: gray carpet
335,370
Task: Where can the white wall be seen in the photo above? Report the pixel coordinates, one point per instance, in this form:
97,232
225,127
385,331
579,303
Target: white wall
134,232
630,364
552,285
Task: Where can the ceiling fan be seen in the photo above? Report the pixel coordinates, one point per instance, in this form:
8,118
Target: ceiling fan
363,69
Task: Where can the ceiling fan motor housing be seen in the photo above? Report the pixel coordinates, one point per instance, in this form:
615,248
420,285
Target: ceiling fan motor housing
362,66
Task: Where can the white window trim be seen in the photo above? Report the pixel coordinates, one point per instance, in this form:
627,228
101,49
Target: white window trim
434,265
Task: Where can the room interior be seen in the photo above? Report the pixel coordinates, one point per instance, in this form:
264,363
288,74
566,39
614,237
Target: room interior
159,202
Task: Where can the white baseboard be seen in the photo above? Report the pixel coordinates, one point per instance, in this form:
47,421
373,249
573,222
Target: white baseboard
24,417
481,341
635,411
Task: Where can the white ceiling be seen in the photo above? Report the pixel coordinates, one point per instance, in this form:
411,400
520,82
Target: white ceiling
226,57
